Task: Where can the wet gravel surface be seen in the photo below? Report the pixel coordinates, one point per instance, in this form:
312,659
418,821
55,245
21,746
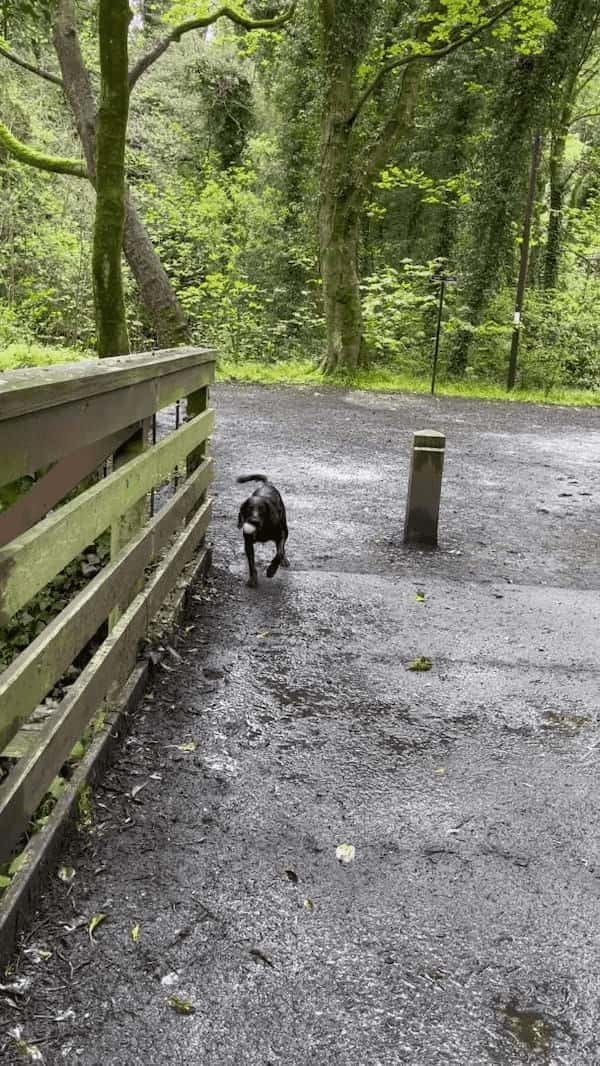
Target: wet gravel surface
284,722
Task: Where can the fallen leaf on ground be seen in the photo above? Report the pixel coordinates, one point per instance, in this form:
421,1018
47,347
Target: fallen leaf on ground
95,922
420,597
190,745
135,933
137,788
66,1016
30,1051
308,905
420,664
66,873
180,1006
345,853
38,954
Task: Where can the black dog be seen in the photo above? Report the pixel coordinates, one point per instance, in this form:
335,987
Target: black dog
262,517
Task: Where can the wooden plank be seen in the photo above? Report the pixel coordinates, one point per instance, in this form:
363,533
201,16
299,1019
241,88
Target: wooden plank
127,524
32,440
31,561
18,901
27,783
33,673
56,484
23,741
196,403
23,391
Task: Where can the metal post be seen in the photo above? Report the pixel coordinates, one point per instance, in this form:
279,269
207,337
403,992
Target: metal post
436,350
424,488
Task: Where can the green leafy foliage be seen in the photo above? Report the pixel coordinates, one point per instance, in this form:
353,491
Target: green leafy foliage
398,308
223,161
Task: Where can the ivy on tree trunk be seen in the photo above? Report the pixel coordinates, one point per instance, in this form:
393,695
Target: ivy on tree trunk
339,223
156,293
111,324
352,159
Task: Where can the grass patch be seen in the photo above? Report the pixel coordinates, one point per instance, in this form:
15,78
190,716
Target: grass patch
22,356
304,372
290,372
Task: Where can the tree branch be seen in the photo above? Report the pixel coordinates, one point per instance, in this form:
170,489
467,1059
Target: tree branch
582,115
587,78
428,57
397,127
177,33
45,74
33,158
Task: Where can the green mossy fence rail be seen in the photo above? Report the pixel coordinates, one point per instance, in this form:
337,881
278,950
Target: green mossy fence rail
68,421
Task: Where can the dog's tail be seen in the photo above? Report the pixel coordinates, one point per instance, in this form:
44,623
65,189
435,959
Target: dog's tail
251,477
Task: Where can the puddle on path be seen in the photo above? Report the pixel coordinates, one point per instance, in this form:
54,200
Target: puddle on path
529,1028
565,722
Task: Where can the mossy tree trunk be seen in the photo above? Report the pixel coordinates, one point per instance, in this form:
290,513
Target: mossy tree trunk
339,239
339,223
556,184
351,161
558,176
109,301
156,293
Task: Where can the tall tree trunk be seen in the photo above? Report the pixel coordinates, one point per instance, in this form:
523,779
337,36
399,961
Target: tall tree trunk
111,133
156,293
339,229
338,219
555,224
499,199
556,181
339,234
350,164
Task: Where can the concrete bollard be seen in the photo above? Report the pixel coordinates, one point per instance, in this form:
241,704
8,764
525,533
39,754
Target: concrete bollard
424,488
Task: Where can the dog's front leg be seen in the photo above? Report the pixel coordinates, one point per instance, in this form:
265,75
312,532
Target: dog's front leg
249,546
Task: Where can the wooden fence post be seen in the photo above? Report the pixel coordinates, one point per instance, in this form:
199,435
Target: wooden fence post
424,488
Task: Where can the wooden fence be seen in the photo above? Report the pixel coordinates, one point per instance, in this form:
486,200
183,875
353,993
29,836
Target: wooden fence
72,421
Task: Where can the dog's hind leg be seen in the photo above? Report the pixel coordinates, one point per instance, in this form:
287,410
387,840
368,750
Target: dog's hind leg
284,559
279,560
249,546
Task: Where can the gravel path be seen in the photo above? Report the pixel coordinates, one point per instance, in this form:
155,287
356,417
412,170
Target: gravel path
285,722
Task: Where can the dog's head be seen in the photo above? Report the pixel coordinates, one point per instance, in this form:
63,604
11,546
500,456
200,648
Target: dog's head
251,517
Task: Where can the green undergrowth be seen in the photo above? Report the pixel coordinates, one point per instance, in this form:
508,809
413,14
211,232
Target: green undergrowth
85,809
22,356
304,372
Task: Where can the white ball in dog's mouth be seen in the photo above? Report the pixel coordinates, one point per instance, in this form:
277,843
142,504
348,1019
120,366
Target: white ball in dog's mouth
248,529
